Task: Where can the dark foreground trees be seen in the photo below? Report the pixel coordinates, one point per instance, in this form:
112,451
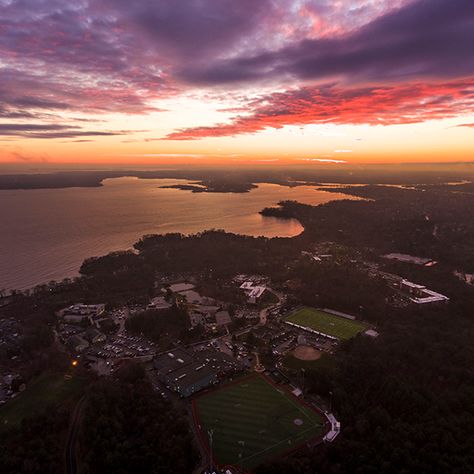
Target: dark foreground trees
405,399
129,428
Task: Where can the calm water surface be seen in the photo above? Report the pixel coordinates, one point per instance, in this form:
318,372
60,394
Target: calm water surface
46,234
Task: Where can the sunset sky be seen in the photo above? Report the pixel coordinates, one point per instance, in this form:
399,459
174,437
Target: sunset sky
303,81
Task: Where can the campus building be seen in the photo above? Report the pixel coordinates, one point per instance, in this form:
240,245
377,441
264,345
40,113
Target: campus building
253,292
78,313
419,294
191,378
186,373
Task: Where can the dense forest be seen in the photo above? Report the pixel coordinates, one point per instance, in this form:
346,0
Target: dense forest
436,222
129,428
165,326
406,399
37,446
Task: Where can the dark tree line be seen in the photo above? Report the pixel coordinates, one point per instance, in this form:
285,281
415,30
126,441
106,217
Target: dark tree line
164,327
129,428
37,446
405,399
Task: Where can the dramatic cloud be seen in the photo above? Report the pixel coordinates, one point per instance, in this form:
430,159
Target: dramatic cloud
427,38
190,29
59,58
389,105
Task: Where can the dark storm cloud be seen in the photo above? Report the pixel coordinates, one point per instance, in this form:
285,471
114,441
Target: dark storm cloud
426,38
194,27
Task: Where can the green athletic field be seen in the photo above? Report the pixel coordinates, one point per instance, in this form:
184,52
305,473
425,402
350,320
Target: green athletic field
326,323
254,421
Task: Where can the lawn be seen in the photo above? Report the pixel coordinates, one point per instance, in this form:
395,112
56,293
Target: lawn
326,323
45,390
253,421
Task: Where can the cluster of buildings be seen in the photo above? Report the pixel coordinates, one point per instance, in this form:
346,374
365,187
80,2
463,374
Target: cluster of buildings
79,329
254,287
80,341
253,292
186,372
412,292
78,313
202,310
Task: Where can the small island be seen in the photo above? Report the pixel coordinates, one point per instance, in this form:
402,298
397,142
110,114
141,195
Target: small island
214,187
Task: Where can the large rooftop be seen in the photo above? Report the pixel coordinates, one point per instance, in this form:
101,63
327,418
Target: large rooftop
172,360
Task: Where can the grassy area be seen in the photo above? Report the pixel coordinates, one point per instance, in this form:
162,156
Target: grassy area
326,323
254,421
45,390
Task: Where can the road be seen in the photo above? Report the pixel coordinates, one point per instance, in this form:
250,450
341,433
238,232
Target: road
264,312
71,459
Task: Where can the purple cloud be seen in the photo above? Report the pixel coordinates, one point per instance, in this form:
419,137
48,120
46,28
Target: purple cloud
426,38
192,28
100,56
52,130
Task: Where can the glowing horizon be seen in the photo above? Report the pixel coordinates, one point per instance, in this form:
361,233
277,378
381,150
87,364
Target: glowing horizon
287,82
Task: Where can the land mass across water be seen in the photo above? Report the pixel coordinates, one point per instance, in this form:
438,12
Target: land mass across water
241,179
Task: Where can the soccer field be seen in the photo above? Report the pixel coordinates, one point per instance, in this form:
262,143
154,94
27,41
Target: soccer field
253,421
326,323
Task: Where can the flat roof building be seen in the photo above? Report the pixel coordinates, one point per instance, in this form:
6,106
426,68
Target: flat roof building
419,294
402,257
172,360
186,373
179,287
190,379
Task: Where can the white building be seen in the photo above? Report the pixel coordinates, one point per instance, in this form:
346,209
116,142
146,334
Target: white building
253,292
419,294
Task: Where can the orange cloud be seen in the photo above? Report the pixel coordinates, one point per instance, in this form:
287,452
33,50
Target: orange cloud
373,105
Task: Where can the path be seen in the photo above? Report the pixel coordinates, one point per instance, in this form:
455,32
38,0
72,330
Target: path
71,446
264,312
